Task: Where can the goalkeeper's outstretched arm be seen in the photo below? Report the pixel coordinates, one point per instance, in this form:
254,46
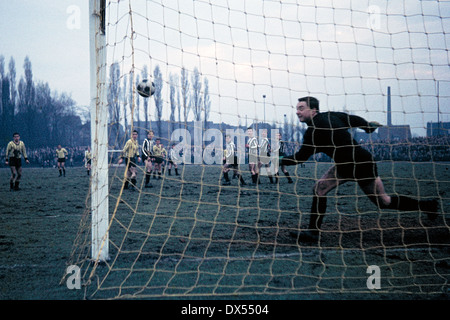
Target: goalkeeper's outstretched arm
301,156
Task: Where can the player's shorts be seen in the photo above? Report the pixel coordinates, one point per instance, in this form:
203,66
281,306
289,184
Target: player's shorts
232,162
252,158
15,162
145,158
132,162
61,159
158,160
89,161
363,169
264,159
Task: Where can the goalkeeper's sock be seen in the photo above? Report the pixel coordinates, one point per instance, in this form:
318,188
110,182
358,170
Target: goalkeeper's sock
176,172
147,178
270,179
225,176
126,184
404,203
60,172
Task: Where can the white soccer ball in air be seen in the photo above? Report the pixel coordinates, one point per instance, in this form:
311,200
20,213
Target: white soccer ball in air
146,88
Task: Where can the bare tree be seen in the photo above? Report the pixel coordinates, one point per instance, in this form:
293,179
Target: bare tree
157,96
113,97
185,93
196,98
144,75
173,88
206,102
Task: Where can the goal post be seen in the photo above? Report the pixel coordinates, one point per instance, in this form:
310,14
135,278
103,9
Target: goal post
99,131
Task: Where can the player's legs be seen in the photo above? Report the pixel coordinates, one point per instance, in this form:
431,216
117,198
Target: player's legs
322,187
225,170
148,171
12,180
238,174
19,175
286,173
374,189
267,167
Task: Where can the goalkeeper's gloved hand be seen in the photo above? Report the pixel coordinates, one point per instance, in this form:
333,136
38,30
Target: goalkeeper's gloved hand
373,125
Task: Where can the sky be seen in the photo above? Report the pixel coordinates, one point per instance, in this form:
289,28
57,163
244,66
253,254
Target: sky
346,53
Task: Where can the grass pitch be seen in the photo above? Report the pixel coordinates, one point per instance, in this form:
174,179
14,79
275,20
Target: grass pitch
189,236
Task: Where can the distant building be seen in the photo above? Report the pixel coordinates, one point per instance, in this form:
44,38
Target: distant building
438,129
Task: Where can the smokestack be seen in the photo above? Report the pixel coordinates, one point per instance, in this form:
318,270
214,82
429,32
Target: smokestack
389,115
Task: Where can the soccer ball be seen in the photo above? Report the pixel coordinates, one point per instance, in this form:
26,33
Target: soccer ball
146,88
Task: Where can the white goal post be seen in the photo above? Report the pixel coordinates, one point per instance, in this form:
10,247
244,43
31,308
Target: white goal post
99,131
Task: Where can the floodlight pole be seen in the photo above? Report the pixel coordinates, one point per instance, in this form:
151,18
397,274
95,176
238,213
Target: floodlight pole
99,132
264,97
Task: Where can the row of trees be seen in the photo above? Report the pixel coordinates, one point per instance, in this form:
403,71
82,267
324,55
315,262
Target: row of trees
187,92
43,117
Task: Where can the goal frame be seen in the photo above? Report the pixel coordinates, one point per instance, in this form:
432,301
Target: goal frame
99,132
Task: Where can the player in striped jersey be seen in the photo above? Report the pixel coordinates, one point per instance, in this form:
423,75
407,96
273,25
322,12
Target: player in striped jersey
264,154
252,145
280,146
14,152
87,160
61,154
158,153
173,160
147,157
231,161
130,153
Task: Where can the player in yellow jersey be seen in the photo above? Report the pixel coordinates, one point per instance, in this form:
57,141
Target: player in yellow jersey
158,153
61,154
87,160
14,152
130,153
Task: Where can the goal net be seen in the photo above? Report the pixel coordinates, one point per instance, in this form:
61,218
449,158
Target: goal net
182,227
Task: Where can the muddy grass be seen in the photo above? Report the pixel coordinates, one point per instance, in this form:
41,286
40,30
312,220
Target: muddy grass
190,237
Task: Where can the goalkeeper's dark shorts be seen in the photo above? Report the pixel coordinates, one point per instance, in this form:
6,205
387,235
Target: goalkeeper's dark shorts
362,169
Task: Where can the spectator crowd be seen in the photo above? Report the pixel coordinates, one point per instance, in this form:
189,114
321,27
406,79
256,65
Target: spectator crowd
419,149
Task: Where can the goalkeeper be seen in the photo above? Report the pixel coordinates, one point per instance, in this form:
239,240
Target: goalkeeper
328,133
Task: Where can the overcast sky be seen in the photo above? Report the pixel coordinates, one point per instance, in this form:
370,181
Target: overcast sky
346,53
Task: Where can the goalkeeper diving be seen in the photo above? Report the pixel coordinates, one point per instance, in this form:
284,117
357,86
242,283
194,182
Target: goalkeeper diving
328,133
